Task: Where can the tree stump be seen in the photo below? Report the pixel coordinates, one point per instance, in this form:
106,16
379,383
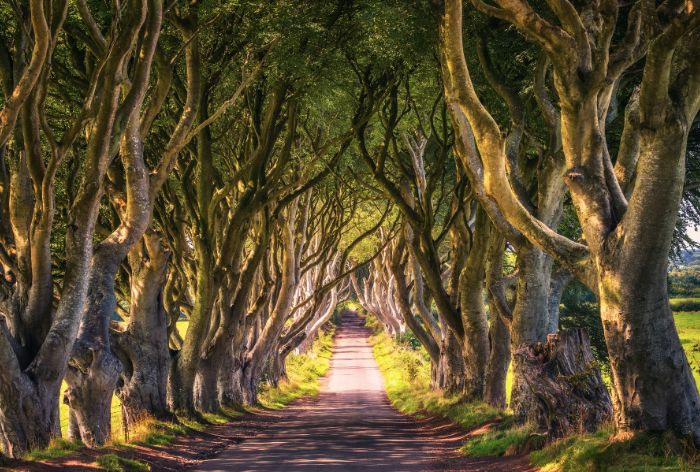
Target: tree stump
559,387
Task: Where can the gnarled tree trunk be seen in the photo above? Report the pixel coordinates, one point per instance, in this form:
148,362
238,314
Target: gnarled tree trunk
448,374
561,390
143,347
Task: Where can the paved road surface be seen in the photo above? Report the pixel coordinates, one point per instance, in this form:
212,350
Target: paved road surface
351,426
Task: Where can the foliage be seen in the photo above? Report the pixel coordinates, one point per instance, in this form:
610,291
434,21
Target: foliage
685,304
684,282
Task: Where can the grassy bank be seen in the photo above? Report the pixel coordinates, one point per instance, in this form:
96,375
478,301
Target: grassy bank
406,372
303,374
602,451
303,371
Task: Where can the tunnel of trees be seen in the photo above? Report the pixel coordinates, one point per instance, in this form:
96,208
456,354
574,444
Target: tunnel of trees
455,167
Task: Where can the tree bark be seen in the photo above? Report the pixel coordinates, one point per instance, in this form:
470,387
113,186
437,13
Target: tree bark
448,374
530,313
93,370
561,389
143,347
28,415
471,303
499,326
559,281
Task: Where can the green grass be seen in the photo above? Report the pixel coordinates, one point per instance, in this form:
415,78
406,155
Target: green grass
406,375
115,463
57,448
600,451
503,439
688,325
303,373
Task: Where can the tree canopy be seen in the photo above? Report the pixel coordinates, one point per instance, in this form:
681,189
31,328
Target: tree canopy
244,167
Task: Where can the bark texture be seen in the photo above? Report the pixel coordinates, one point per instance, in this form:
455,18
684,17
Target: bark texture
143,346
561,390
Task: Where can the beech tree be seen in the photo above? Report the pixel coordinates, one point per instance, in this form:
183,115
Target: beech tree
627,243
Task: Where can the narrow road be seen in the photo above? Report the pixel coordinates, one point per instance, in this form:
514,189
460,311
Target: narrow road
351,426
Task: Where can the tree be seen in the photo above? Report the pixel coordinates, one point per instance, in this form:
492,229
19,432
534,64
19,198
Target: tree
627,226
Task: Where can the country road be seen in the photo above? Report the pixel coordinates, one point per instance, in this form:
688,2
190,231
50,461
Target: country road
351,426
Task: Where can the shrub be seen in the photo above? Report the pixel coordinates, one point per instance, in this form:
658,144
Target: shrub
685,304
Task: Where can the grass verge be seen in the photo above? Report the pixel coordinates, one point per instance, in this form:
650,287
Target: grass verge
505,438
406,373
303,374
58,448
601,451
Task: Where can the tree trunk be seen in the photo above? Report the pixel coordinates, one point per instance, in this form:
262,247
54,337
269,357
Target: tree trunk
530,313
229,385
448,373
652,385
143,347
500,315
93,370
276,368
561,389
471,304
28,418
499,360
476,338
205,386
559,281
184,368
250,377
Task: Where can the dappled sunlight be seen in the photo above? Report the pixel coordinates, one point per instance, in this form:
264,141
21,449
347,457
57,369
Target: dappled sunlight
349,426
